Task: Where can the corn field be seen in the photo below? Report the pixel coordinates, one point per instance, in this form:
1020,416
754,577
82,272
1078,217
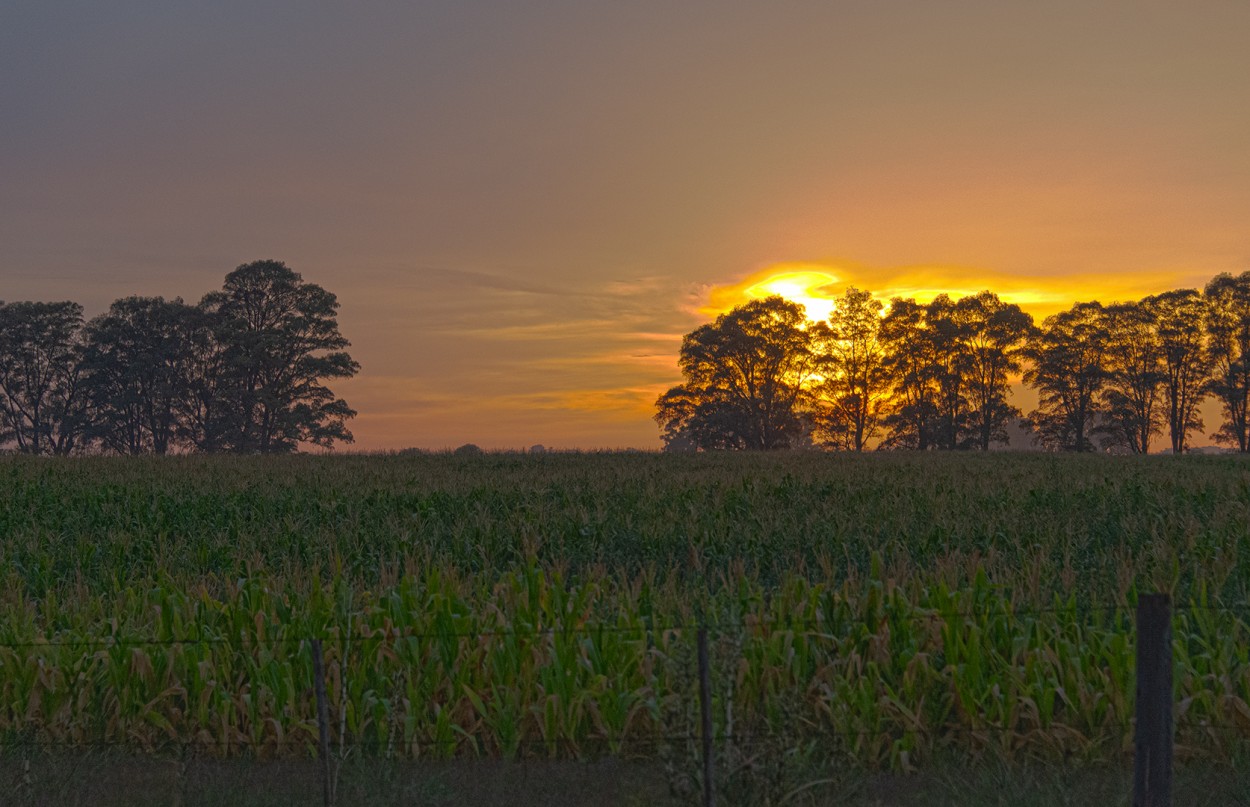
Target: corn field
882,611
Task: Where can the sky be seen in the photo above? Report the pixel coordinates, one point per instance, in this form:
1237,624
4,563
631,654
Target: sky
522,207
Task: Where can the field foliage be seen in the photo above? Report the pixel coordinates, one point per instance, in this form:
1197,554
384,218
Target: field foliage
886,609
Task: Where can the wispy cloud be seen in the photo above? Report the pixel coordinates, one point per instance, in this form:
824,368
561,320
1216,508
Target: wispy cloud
467,278
529,357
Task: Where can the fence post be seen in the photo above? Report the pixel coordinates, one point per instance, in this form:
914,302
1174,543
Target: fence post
1152,739
323,721
705,713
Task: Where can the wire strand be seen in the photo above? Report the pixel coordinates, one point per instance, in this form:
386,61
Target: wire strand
810,625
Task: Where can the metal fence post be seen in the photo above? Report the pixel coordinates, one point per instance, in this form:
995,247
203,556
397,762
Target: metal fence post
705,713
1152,738
323,721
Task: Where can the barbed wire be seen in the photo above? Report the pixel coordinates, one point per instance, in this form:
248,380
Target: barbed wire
818,627
480,742
811,626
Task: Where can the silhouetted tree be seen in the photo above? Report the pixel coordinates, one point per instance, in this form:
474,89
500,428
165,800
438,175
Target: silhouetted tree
949,335
745,380
1228,349
41,404
1179,318
994,335
279,340
135,366
205,409
910,362
1134,377
700,420
1067,369
853,364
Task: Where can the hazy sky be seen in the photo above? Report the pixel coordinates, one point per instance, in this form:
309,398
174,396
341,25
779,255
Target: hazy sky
523,206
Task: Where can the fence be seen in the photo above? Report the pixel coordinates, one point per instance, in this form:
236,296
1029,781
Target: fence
1147,686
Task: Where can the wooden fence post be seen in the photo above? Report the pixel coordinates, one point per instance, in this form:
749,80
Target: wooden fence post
1152,738
323,721
705,713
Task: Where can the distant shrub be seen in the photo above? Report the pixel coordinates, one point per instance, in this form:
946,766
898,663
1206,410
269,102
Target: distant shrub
468,449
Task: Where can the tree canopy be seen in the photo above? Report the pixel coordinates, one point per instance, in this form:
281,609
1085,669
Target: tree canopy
1228,347
279,339
938,375
1068,371
243,371
41,397
852,364
746,381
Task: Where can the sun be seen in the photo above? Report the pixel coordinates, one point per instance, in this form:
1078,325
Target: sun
817,286
810,285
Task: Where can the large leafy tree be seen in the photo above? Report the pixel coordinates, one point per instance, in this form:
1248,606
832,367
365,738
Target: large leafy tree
135,364
279,341
1132,396
41,402
1180,316
695,420
1067,369
949,334
1228,349
993,335
856,383
745,380
205,409
910,363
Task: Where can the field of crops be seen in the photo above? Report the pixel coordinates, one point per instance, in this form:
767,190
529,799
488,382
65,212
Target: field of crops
882,610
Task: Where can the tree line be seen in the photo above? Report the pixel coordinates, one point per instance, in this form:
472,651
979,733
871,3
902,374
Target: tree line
243,371
938,375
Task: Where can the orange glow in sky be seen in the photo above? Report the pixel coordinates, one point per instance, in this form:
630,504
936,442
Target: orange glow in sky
811,285
817,285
